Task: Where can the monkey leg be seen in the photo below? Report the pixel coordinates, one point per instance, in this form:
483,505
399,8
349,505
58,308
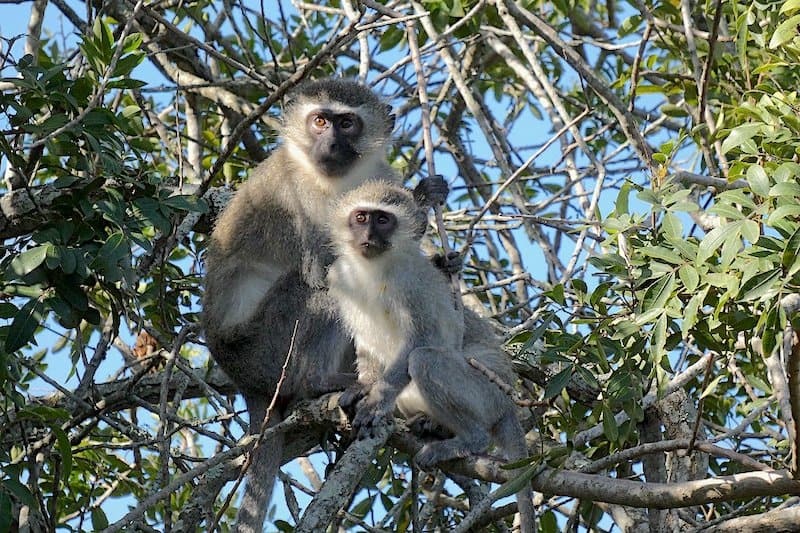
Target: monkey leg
450,392
425,427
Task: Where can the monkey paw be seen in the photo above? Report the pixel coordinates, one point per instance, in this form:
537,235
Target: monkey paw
424,427
450,264
350,398
437,452
368,420
431,191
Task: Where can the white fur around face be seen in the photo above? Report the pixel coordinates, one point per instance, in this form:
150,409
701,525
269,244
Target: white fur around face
305,109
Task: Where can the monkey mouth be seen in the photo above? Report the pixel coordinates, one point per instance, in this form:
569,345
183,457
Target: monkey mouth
372,250
336,166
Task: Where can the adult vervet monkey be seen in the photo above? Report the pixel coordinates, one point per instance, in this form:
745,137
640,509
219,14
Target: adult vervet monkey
267,257
411,352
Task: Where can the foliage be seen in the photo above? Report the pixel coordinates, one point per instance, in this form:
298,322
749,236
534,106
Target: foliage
627,191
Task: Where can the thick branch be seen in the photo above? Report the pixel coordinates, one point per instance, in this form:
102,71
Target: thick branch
776,520
598,488
341,483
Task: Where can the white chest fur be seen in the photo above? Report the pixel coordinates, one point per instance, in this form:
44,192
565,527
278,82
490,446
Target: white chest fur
371,309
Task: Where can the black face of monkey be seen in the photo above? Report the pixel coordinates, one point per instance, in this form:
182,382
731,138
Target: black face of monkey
334,137
372,230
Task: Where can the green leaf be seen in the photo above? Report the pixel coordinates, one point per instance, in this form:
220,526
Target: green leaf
110,254
672,226
771,330
99,519
518,482
648,316
186,202
68,261
5,511
610,428
7,310
758,180
20,491
789,210
689,277
760,284
126,64
557,383
791,251
751,231
659,252
714,239
24,325
457,11
726,210
658,293
785,188
557,294
64,448
132,42
789,6
713,385
621,206
691,310
548,522
739,135
785,32
29,260
659,338
579,286
537,333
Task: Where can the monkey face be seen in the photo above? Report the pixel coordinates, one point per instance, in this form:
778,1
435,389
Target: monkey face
334,140
371,231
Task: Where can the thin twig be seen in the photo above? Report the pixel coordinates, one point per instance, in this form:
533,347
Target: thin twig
427,140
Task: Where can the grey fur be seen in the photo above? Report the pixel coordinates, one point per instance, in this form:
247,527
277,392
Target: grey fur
265,272
411,348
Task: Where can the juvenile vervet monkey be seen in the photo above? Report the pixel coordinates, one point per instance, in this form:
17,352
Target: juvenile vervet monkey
410,347
266,261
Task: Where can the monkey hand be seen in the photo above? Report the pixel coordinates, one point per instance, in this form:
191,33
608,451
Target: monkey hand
452,263
371,415
313,271
350,398
431,191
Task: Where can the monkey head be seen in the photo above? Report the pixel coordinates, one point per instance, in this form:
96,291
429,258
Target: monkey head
376,218
335,124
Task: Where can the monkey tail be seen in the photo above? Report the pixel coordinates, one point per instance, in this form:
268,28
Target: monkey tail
513,437
264,465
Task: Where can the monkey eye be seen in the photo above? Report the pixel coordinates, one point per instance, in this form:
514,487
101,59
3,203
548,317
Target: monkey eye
382,219
319,122
346,123
361,217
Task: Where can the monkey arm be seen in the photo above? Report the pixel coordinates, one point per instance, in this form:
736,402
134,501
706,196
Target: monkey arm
316,257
